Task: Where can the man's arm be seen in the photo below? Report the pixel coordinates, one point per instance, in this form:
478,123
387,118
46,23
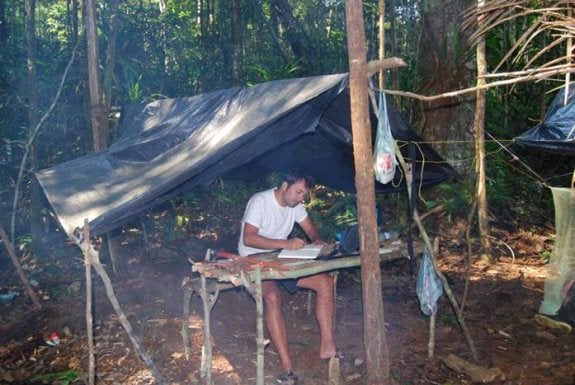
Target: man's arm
311,231
253,239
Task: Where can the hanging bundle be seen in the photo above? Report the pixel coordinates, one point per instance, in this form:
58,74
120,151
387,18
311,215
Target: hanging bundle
384,160
429,287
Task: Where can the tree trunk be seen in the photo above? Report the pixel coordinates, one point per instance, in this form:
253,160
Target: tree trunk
479,129
35,206
3,24
111,56
444,64
295,36
236,42
393,44
75,12
32,84
97,110
376,351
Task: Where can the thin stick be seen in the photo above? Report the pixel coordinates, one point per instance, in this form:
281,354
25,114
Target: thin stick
469,253
526,78
258,295
31,139
444,282
89,317
569,49
431,343
186,316
19,270
138,347
206,363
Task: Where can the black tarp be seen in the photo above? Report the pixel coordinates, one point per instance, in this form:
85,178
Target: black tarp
171,145
556,133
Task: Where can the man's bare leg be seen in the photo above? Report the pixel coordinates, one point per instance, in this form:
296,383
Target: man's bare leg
275,322
322,284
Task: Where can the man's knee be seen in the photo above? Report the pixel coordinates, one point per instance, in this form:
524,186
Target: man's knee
272,297
319,283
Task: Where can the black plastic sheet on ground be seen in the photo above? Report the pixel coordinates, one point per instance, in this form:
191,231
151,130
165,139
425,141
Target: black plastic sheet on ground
171,145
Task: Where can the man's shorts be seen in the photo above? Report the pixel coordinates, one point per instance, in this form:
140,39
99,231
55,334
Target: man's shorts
290,285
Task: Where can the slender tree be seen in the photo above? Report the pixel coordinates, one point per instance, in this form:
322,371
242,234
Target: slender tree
35,206
377,359
479,130
97,109
236,42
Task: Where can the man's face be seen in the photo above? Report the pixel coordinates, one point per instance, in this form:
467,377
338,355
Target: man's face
295,193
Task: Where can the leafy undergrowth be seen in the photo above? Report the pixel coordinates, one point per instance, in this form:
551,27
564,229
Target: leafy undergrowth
503,298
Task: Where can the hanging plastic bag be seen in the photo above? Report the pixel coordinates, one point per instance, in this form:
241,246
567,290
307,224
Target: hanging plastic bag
384,160
429,287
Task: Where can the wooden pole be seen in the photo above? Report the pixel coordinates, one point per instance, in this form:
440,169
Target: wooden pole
381,40
376,350
479,131
89,316
136,343
258,295
97,111
18,267
206,364
568,58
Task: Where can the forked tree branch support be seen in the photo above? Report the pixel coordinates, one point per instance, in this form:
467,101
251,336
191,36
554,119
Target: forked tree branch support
516,77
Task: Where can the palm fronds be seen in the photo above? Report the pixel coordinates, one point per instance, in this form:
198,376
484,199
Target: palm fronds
550,29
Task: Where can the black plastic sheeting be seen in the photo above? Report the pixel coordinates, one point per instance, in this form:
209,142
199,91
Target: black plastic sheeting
171,145
556,133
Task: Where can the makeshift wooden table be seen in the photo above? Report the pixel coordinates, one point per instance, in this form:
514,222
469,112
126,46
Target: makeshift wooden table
249,272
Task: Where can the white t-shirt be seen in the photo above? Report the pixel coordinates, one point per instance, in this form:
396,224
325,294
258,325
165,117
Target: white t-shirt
272,220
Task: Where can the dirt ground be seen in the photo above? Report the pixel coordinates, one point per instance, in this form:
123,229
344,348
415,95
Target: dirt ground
502,300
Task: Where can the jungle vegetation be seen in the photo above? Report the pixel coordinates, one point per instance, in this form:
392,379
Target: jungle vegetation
152,49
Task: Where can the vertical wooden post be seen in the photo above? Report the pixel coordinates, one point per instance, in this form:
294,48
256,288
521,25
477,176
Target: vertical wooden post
479,128
97,111
258,296
89,317
376,350
381,41
206,364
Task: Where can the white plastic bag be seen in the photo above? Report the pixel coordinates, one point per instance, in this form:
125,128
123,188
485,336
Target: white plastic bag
429,287
384,160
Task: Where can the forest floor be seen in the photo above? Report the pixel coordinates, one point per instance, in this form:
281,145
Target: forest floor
502,301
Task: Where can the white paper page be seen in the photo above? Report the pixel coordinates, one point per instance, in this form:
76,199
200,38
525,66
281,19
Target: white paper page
309,251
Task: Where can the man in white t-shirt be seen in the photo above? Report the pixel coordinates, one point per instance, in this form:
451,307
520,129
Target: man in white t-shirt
268,221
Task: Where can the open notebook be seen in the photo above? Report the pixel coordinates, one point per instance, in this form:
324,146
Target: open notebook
309,251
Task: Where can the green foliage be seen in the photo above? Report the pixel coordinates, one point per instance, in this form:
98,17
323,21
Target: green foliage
545,256
258,73
62,378
135,90
185,50
455,197
332,211
24,241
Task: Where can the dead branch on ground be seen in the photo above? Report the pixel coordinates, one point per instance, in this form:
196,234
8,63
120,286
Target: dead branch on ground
19,270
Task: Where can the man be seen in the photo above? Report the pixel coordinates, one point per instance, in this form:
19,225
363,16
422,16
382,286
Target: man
268,221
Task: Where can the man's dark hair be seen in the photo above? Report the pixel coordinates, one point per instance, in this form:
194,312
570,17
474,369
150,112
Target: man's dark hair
294,176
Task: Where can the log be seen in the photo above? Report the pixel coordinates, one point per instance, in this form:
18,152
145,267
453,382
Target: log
375,66
475,372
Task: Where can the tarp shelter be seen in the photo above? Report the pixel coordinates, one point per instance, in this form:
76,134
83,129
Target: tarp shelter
557,131
171,145
557,134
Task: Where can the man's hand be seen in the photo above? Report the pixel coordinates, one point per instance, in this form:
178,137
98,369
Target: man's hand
294,243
